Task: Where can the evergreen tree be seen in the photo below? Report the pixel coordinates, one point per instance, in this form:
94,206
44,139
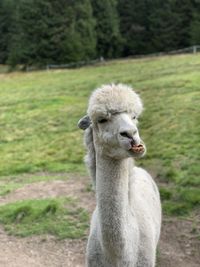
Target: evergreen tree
39,32
195,29
163,27
50,31
80,38
184,12
195,25
7,9
109,39
134,17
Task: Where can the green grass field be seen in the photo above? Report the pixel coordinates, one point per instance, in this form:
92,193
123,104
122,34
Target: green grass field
60,217
38,125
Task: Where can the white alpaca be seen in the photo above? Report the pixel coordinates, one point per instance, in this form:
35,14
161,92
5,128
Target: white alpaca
126,223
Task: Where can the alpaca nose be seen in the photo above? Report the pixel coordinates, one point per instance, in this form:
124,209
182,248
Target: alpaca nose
128,133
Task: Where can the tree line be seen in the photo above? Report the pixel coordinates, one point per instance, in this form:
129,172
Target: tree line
40,32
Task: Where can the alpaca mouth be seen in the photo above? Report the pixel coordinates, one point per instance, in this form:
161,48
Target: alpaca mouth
138,149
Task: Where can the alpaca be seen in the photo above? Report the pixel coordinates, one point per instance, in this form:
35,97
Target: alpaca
125,225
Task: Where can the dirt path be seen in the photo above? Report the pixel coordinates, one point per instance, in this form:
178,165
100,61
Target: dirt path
179,244
40,251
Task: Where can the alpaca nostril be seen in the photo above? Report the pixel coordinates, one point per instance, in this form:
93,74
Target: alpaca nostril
126,134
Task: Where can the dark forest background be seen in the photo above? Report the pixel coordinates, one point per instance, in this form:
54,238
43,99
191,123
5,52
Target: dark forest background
40,32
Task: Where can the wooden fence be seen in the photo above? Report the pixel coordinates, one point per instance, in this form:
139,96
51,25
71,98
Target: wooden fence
192,49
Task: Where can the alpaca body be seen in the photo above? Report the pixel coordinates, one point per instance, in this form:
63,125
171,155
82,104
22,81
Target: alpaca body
126,223
124,220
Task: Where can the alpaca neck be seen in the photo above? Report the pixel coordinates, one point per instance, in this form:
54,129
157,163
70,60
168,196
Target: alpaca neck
112,189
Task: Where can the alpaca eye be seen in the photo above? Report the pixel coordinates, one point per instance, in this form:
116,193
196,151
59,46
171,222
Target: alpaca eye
102,120
134,117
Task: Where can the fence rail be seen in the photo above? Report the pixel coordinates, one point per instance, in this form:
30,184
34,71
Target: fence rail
67,66
192,49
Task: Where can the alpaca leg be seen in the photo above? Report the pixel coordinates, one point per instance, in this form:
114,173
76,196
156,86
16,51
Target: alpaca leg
95,261
146,260
94,256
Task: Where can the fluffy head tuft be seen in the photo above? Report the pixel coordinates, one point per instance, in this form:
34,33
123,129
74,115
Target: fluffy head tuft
111,99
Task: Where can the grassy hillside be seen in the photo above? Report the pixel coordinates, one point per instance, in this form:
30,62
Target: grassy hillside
39,113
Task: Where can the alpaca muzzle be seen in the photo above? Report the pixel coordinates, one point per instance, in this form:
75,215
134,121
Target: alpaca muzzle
138,148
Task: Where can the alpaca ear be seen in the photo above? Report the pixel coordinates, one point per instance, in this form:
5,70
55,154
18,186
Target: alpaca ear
84,122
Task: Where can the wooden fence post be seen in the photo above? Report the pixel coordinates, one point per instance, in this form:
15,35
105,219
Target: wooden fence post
194,49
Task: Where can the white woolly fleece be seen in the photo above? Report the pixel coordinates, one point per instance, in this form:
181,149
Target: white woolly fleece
110,99
126,223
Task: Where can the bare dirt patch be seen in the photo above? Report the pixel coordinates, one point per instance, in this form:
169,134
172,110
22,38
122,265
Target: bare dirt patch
76,187
179,245
40,251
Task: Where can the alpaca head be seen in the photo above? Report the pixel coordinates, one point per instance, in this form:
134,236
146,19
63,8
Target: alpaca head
112,113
